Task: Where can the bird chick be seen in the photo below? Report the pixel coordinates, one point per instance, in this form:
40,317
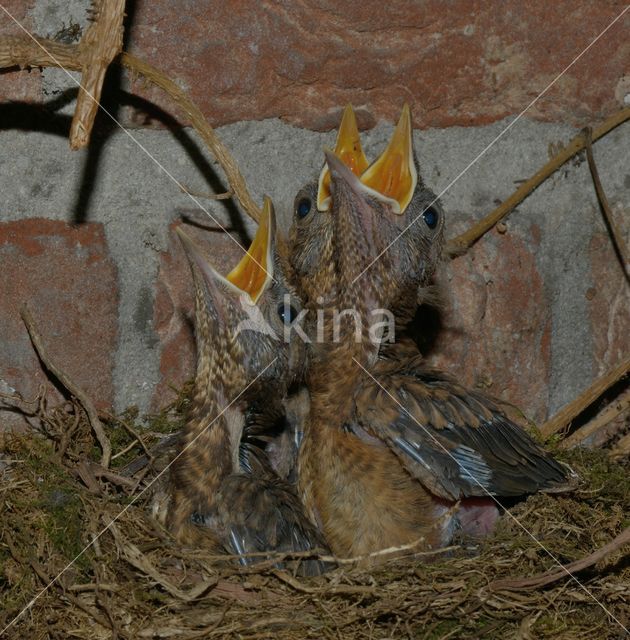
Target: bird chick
454,451
224,492
408,213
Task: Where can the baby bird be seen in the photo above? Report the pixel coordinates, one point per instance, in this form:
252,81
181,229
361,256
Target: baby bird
224,492
409,216
394,452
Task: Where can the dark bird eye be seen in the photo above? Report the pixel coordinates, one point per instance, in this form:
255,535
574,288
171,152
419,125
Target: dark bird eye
287,313
303,207
431,217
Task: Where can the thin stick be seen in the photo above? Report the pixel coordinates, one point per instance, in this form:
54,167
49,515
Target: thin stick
338,588
574,408
607,415
622,448
74,389
459,245
617,238
16,401
226,195
24,52
198,121
542,579
100,44
136,435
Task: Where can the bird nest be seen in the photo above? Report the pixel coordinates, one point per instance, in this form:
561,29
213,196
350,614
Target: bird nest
80,546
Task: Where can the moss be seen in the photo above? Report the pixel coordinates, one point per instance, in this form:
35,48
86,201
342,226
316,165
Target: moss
50,510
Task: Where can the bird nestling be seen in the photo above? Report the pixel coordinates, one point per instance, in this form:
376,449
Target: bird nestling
224,492
393,186
394,452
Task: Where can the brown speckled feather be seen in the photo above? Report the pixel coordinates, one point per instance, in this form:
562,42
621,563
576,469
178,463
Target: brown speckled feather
224,491
457,442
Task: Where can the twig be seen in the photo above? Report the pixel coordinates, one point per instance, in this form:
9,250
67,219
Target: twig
198,121
74,389
45,578
459,245
226,195
622,448
617,238
328,589
110,476
67,433
97,617
132,554
619,405
100,44
574,408
94,586
83,470
132,445
137,436
162,447
16,402
548,577
269,559
24,52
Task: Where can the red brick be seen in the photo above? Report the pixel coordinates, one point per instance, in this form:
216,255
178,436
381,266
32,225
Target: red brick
457,63
69,282
497,328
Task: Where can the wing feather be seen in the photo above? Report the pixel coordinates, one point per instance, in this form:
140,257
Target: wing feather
456,442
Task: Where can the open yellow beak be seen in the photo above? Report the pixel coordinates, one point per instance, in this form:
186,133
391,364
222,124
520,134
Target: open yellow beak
349,149
255,269
393,174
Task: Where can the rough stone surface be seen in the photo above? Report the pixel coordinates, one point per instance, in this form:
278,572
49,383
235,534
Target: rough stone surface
14,86
609,300
457,63
522,316
68,280
497,326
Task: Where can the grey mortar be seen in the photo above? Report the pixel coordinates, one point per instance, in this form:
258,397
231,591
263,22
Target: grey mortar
135,201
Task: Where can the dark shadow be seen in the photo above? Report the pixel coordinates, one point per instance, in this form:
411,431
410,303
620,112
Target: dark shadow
154,113
31,117
24,116
194,221
425,328
113,98
104,125
605,399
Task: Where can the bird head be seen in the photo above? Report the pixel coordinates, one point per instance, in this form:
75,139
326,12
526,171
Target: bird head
388,226
311,241
243,319
375,231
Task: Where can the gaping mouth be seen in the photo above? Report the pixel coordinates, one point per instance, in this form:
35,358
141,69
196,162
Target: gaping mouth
348,148
394,174
254,271
392,177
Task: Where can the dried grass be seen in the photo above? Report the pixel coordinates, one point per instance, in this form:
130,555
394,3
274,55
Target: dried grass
134,582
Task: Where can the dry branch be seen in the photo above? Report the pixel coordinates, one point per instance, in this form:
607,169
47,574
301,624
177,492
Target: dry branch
622,448
607,415
39,52
617,238
587,397
100,44
548,577
73,388
460,244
